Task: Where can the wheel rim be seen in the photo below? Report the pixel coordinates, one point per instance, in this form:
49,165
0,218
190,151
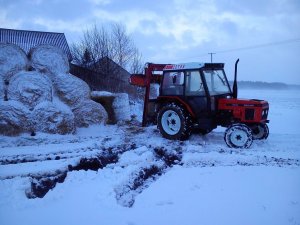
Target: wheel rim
170,122
239,138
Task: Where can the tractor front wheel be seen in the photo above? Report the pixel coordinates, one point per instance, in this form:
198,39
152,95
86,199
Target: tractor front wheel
238,136
174,122
260,131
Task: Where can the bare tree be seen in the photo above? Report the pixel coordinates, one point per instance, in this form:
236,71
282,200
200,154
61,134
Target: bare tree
104,51
112,42
136,65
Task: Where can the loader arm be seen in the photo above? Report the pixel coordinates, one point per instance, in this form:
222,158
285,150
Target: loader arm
144,80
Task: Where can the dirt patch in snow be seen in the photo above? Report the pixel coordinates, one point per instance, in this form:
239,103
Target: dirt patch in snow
40,185
126,193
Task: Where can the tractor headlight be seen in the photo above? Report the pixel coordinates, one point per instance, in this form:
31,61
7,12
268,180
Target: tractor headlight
264,113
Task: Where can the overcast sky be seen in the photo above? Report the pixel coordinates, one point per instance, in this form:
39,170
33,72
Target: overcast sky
173,31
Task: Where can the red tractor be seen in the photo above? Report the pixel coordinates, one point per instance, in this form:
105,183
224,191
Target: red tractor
196,97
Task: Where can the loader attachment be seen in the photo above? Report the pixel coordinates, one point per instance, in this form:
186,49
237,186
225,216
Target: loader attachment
141,81
153,74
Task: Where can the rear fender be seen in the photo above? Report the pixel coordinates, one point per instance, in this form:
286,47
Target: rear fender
178,101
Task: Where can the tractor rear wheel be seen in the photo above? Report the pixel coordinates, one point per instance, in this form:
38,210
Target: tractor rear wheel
174,122
260,131
238,136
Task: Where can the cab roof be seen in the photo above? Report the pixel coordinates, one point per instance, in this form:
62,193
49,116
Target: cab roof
193,65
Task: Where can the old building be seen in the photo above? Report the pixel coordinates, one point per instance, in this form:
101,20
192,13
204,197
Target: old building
108,77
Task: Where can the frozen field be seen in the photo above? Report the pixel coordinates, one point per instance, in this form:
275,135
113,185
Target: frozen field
135,177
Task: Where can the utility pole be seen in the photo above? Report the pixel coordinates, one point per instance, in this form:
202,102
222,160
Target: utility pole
211,54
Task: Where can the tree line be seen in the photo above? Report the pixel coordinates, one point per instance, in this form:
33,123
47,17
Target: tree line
261,85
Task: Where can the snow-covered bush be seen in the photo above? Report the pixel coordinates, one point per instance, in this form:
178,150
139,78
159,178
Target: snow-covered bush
49,59
50,118
30,88
70,89
12,60
14,118
89,112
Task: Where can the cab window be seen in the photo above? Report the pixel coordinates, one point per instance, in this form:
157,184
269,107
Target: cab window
173,83
194,85
216,82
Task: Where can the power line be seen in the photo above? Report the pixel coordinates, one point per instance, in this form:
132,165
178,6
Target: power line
246,48
261,45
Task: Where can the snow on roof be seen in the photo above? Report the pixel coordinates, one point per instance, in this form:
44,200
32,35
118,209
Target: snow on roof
179,66
26,39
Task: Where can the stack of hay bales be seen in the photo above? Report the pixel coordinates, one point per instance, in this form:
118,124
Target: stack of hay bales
37,93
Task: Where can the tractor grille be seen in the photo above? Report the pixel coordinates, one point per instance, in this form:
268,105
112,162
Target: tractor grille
249,114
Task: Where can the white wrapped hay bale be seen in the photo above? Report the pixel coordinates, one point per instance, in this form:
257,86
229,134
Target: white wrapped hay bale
70,89
49,59
89,112
12,60
106,100
52,118
116,104
121,107
30,88
14,118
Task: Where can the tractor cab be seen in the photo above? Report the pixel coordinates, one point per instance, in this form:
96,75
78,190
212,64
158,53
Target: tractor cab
199,86
198,97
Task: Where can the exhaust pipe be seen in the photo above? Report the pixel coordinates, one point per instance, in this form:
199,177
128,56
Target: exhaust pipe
235,88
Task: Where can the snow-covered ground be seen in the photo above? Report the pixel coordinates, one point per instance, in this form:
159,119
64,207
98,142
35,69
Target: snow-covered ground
151,180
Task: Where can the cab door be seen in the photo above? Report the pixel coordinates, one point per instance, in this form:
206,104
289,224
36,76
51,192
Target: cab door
195,94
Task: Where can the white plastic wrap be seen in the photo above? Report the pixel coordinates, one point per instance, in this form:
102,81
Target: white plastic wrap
89,112
14,118
49,59
30,88
70,89
51,118
12,60
121,107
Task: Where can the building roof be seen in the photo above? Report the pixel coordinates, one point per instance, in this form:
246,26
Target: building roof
26,39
